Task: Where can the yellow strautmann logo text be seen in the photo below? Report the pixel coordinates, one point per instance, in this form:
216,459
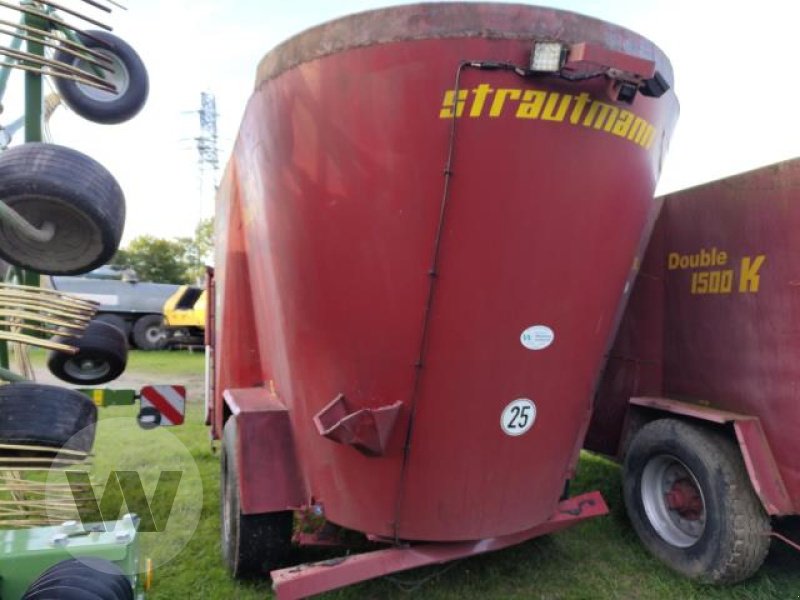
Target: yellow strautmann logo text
580,110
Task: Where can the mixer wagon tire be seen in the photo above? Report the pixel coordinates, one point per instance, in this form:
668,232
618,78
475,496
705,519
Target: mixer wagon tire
102,356
252,545
68,193
87,578
45,415
129,77
148,333
690,500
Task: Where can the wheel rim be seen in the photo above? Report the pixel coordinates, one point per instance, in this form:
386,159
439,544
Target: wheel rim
120,78
86,369
673,501
77,242
154,334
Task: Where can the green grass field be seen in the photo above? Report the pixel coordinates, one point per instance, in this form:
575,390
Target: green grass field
169,362
600,559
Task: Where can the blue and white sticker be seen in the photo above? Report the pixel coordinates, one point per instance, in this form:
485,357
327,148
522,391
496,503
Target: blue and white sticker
518,417
537,337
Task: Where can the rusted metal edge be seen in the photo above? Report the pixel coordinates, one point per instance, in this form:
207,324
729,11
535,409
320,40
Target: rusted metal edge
454,20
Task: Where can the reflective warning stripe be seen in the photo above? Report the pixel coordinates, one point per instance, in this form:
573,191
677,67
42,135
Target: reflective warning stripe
169,400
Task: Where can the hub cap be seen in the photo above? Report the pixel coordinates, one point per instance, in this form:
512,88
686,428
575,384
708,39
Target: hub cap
673,501
86,368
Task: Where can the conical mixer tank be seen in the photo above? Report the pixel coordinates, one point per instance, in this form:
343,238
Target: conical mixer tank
426,232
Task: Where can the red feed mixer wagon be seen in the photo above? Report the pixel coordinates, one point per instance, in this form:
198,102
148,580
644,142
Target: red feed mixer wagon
425,234
700,395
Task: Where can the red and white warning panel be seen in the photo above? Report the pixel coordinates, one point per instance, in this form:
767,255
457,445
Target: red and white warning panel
162,405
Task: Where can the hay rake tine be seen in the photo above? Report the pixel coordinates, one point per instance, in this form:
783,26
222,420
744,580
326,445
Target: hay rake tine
57,68
34,12
54,511
57,309
11,302
31,523
15,461
59,501
114,3
65,305
73,333
48,449
34,341
51,19
36,317
36,506
94,3
13,29
58,296
75,13
39,307
44,488
23,469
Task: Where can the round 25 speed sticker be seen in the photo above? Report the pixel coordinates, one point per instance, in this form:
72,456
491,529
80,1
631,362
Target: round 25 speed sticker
518,417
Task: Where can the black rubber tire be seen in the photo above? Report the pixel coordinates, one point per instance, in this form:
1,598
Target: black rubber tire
84,578
46,183
148,333
734,540
131,79
102,356
63,592
252,545
97,568
115,320
45,415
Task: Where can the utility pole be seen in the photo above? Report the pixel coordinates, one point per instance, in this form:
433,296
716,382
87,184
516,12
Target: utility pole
208,146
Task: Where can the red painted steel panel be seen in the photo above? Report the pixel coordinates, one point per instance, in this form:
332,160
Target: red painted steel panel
338,186
236,358
729,308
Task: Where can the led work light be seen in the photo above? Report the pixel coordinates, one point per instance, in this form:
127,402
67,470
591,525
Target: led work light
548,57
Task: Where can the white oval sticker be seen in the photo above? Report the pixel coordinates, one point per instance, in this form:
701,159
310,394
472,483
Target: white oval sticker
518,417
537,337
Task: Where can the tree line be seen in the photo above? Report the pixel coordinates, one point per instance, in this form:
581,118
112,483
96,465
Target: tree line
177,260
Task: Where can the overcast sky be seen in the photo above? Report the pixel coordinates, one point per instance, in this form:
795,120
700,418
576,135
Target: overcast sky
734,69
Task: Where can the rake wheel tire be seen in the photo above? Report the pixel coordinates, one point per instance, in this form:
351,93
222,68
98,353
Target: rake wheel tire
129,76
46,183
45,415
102,356
81,579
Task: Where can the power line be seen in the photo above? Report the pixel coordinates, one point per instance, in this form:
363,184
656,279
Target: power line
208,140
